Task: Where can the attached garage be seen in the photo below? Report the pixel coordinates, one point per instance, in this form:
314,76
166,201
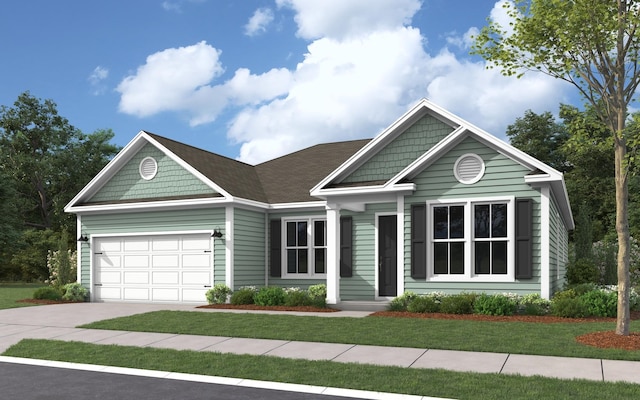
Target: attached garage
152,268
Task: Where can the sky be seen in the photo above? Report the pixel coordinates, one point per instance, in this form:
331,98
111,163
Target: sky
255,79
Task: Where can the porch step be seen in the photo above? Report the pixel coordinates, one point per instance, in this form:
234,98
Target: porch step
363,305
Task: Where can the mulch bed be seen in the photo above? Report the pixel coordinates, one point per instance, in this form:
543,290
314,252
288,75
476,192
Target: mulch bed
45,302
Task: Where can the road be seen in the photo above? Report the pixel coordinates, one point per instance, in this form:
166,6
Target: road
29,382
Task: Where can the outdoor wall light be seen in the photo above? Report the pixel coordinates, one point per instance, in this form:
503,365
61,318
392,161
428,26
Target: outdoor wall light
216,234
83,238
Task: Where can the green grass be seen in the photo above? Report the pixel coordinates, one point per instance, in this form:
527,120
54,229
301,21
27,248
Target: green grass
557,339
427,382
10,293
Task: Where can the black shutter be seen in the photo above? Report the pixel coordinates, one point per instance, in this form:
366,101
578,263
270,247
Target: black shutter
419,241
524,238
275,259
346,247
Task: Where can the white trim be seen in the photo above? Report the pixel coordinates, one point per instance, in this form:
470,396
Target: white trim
148,206
229,244
310,219
545,251
79,249
141,168
333,254
468,240
97,236
479,173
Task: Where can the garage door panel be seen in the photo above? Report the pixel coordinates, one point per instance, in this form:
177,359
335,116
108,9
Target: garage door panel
165,278
166,244
191,244
196,278
136,277
196,261
166,261
153,268
136,294
136,261
166,294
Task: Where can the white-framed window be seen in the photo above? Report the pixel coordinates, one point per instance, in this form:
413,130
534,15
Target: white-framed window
471,240
305,247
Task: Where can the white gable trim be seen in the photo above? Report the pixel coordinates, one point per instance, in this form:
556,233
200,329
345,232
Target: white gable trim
122,158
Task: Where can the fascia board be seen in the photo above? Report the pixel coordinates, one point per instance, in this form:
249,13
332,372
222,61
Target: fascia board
417,111
368,190
189,168
299,205
147,206
109,170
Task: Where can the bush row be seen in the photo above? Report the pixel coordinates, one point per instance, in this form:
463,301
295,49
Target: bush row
269,296
68,292
577,302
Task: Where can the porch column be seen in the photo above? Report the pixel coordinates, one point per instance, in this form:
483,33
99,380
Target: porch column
333,254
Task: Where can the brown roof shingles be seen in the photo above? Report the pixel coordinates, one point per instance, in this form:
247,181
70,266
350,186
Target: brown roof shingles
283,180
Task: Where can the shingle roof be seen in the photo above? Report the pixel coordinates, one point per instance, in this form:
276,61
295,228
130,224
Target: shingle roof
283,180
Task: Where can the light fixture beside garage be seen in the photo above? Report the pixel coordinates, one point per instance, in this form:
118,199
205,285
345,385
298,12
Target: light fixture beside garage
216,234
83,238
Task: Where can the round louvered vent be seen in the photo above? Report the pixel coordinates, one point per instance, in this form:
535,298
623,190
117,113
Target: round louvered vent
469,168
148,168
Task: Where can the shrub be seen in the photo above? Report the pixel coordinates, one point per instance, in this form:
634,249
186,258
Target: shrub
600,303
74,292
244,295
496,304
423,304
318,291
533,304
270,296
297,298
218,294
458,303
48,293
400,303
582,271
569,307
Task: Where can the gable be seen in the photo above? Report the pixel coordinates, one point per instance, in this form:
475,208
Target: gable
502,175
171,181
402,151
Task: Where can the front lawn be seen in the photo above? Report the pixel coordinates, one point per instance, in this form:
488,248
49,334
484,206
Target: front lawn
10,293
554,339
426,382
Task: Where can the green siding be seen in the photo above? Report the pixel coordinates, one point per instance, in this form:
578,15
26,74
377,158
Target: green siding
249,248
171,180
503,177
558,249
361,286
406,148
158,221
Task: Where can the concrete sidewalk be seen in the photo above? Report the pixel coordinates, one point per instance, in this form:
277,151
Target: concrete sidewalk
58,322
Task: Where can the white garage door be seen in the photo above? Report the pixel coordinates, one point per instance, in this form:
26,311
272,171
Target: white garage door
159,268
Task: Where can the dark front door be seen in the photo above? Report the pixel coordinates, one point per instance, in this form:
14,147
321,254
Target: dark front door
387,256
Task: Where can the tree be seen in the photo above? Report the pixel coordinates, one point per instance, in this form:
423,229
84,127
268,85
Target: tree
594,45
541,137
48,159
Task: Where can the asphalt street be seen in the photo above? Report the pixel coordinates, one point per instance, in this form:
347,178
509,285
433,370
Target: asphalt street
28,382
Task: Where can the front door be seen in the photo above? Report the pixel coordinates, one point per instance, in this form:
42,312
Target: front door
387,256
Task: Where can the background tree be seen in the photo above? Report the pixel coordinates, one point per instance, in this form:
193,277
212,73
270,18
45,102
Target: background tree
47,161
594,45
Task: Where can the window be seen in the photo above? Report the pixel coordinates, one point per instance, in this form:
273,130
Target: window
305,247
471,240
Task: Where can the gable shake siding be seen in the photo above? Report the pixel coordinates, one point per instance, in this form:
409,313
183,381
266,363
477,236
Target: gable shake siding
171,180
502,177
411,144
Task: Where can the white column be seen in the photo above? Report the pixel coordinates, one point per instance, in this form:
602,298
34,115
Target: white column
545,237
400,245
333,254
228,243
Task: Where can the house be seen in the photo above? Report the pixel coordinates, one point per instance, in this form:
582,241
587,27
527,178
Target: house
432,203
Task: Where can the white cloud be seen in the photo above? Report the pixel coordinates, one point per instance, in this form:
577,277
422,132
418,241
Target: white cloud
96,78
258,22
340,19
168,79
